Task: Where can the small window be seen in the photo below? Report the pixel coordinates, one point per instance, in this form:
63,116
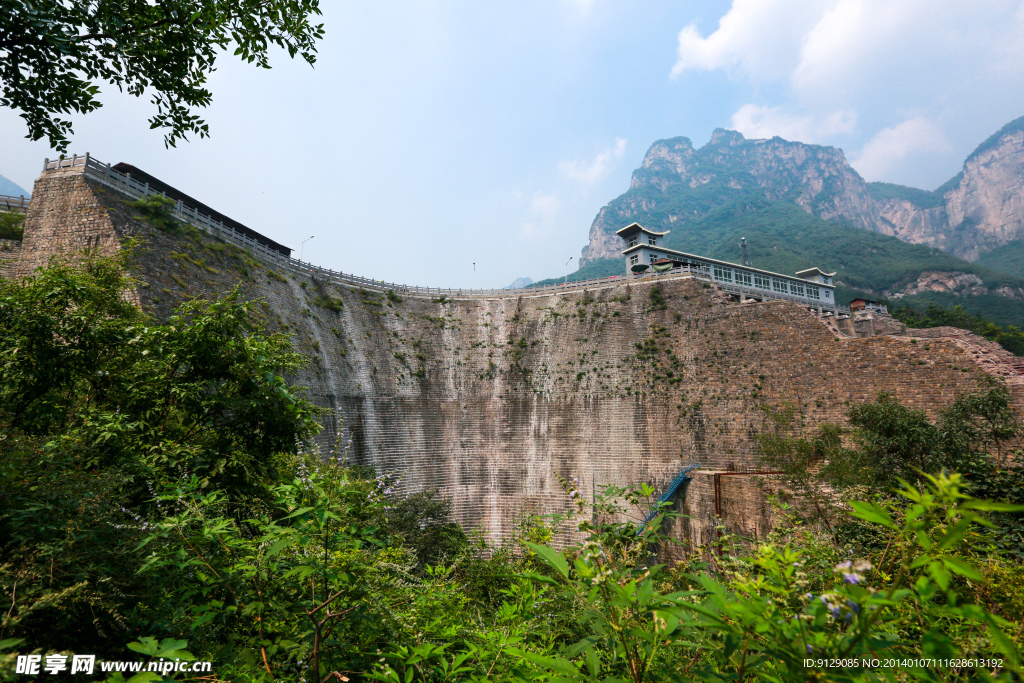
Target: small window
742,278
632,241
634,259
654,257
724,274
827,294
813,292
762,282
653,241
796,288
780,286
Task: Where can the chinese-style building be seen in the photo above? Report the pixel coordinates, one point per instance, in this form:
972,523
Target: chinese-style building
645,250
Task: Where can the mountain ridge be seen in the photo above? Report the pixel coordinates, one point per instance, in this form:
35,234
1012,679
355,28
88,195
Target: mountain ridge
978,210
702,194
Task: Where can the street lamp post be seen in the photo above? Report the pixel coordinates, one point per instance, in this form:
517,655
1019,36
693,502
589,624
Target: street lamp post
474,274
301,246
566,281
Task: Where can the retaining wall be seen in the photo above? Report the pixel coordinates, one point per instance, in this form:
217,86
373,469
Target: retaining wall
488,399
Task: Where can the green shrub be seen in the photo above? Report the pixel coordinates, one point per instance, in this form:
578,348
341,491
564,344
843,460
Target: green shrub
12,225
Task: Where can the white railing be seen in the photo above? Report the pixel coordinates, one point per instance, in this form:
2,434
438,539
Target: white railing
12,203
124,183
753,292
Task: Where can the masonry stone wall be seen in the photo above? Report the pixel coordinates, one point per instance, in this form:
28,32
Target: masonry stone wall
489,400
10,251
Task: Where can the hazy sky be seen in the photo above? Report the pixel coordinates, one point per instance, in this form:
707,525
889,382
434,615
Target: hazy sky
431,135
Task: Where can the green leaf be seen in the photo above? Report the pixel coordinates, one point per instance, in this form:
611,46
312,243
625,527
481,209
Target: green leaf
10,642
955,533
962,568
992,506
551,556
870,512
552,663
279,546
144,677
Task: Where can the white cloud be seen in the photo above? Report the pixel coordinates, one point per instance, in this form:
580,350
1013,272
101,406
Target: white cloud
837,48
542,215
765,122
759,38
915,137
589,172
867,73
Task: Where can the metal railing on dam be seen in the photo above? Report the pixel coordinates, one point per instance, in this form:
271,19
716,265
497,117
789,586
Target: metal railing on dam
124,183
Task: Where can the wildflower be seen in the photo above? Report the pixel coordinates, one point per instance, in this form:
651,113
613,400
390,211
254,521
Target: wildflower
851,571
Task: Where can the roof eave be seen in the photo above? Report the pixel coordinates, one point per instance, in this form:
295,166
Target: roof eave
634,227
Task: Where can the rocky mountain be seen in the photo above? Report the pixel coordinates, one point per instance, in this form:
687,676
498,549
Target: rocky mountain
801,205
520,282
978,211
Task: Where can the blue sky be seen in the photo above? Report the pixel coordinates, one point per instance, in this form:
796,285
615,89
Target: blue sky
432,135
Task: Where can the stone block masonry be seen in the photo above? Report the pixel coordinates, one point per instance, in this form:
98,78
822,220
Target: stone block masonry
488,399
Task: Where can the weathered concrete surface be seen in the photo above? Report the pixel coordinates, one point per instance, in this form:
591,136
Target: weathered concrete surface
488,399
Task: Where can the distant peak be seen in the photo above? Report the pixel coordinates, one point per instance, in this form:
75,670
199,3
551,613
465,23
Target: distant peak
721,136
995,138
674,143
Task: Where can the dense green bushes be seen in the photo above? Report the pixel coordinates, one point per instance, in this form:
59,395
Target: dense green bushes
12,225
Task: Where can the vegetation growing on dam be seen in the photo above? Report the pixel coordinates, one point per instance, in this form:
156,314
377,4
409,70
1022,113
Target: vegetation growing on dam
154,496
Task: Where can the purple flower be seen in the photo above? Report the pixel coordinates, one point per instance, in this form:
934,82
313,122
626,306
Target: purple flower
852,579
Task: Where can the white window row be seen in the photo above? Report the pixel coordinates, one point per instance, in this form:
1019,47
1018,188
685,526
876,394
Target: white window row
747,279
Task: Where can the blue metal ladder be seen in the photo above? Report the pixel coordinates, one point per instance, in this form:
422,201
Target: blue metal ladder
676,484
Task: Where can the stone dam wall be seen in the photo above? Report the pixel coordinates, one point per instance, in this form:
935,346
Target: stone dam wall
489,400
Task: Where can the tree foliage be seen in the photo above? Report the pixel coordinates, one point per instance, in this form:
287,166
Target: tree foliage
12,225
54,55
99,405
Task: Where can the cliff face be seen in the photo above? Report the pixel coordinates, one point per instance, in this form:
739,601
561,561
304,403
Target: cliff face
979,210
489,400
682,184
986,208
